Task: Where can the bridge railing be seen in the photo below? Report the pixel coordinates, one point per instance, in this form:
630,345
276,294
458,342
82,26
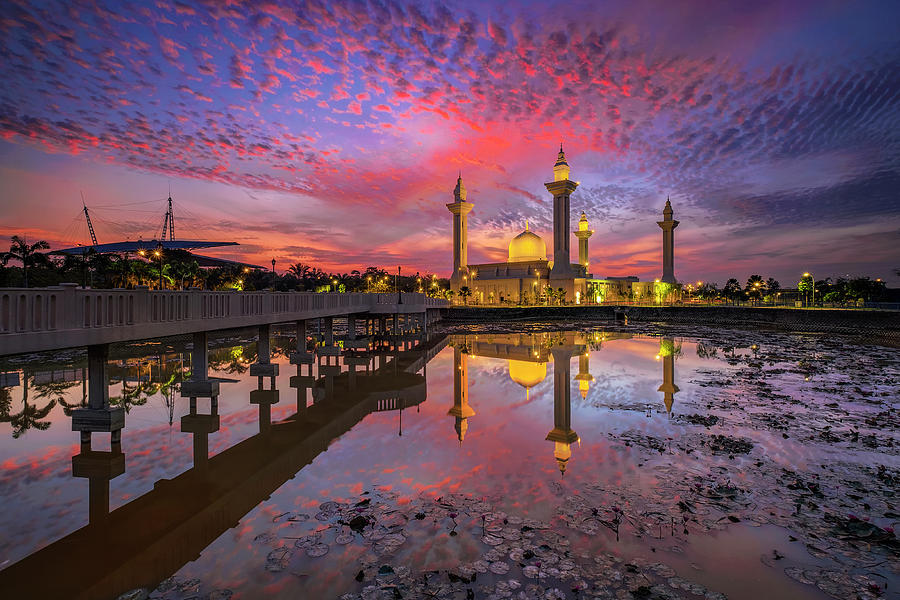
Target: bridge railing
68,307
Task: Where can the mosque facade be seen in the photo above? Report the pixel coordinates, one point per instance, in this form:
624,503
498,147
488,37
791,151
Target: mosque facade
531,276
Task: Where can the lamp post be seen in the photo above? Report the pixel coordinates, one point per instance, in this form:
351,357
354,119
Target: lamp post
399,293
158,253
368,284
808,274
537,286
273,265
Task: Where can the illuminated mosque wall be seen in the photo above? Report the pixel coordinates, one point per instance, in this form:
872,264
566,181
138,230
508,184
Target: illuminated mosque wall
528,274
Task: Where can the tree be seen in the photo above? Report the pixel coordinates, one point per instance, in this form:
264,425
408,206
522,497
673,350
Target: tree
707,291
25,253
464,292
805,286
561,295
30,417
755,287
732,289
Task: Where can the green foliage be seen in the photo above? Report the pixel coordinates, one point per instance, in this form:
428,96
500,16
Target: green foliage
665,292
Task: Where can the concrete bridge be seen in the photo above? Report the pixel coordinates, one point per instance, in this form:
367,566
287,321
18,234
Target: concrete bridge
145,541
33,320
67,316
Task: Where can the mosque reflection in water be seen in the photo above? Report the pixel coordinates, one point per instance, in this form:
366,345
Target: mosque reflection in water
172,524
527,356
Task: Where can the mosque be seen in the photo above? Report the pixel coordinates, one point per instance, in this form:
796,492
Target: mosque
529,277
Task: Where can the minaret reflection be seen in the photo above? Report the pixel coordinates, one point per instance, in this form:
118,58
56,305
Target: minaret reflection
461,409
584,377
562,434
667,353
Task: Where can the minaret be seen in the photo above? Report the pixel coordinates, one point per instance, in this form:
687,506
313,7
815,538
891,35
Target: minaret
668,226
562,434
668,387
561,187
583,233
461,409
460,208
584,377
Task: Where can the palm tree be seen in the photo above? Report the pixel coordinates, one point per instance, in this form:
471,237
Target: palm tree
755,287
122,268
299,270
30,417
27,254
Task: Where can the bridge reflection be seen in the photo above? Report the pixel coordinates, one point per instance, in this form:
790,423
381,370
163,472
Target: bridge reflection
145,541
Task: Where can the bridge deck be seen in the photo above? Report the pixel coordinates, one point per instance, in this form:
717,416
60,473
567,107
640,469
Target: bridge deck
34,320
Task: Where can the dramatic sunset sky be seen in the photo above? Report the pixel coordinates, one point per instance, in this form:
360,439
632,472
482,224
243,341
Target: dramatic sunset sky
331,132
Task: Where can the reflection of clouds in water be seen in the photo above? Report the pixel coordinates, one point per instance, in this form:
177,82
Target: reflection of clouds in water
638,463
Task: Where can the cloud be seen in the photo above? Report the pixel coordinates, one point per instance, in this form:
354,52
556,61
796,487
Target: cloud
380,103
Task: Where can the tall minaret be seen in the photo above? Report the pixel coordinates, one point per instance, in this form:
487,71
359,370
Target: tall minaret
668,387
583,233
561,187
461,409
460,208
584,377
562,434
668,226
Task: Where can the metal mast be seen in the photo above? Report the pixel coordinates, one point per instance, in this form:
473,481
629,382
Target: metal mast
171,222
87,217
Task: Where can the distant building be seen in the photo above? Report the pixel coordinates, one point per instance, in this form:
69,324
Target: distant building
528,274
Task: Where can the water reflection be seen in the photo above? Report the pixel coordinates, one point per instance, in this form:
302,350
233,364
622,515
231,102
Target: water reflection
154,535
151,537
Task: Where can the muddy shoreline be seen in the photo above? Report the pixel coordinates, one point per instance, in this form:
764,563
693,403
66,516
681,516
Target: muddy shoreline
870,326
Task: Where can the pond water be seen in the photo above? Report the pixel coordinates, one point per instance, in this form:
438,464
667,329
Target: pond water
533,461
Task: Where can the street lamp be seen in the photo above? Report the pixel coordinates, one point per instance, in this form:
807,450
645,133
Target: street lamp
273,265
158,254
807,274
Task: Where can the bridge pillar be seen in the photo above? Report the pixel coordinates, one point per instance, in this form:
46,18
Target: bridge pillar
301,335
98,468
200,385
329,331
351,326
302,356
264,398
201,426
302,383
263,367
98,416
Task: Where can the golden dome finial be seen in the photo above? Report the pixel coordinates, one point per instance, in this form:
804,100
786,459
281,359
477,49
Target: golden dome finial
459,192
561,168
